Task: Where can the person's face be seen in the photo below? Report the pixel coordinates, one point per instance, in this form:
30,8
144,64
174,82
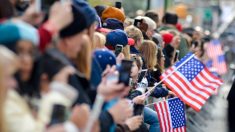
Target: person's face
134,70
150,33
196,35
172,59
163,44
91,31
139,42
198,51
176,42
25,51
74,44
8,81
196,48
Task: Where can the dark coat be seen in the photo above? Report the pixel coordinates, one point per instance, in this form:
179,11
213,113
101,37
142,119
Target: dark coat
80,83
231,95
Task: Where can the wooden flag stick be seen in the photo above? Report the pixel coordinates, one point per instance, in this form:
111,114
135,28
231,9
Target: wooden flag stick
95,112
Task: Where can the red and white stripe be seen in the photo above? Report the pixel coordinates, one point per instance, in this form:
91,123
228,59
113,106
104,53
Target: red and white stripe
214,50
221,66
163,113
194,93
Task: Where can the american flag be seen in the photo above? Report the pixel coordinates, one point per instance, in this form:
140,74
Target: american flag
191,81
171,115
215,53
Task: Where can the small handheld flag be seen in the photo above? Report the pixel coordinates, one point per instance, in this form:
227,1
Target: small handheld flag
191,82
215,53
171,114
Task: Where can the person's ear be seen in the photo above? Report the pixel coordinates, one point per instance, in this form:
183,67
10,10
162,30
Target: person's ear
44,78
65,42
139,41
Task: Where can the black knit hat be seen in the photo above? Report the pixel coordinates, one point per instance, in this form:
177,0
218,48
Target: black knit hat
168,50
99,9
170,18
83,16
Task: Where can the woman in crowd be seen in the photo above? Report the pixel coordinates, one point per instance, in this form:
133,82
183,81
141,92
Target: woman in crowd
160,63
134,33
7,59
65,63
27,107
137,94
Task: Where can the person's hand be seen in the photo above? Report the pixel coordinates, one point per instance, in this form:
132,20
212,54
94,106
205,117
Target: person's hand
109,70
139,99
80,115
170,93
120,57
110,88
121,111
56,128
134,122
63,75
32,16
61,14
96,127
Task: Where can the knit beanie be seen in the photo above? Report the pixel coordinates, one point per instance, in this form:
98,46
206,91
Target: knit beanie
113,12
12,32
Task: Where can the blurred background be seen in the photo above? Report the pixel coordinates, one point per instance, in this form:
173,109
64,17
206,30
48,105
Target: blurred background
212,17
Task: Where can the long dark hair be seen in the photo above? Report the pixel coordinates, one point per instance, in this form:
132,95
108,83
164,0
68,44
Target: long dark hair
159,56
28,88
6,9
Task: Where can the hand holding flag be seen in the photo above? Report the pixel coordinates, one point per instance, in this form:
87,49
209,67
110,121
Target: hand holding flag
191,81
171,115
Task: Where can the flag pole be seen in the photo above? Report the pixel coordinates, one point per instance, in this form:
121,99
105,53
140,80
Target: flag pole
160,101
152,89
95,112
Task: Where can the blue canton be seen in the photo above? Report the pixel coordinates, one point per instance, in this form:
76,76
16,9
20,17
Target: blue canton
221,58
215,42
176,107
191,68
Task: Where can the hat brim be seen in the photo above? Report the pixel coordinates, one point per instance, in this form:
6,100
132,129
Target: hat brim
103,30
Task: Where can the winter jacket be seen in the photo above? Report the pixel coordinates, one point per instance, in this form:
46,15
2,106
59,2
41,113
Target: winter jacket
19,117
77,81
152,78
183,42
81,84
122,128
133,50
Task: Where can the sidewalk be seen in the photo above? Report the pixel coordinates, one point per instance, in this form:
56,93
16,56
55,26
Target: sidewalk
213,116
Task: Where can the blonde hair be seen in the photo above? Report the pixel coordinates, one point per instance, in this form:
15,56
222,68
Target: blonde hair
128,22
148,51
99,41
138,60
83,60
126,52
7,59
134,33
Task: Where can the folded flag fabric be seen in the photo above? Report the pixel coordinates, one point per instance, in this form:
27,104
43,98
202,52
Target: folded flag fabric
191,81
171,114
216,55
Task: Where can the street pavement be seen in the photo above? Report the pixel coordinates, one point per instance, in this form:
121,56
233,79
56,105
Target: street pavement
213,116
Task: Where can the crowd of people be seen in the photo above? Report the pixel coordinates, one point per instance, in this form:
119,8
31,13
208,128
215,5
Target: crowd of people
56,58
